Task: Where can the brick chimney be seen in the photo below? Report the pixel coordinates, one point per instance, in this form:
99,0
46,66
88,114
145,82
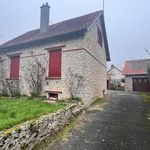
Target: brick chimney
44,21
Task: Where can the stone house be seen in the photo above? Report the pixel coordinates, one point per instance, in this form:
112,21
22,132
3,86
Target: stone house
79,44
136,75
114,76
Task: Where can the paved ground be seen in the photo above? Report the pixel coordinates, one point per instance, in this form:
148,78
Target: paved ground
121,125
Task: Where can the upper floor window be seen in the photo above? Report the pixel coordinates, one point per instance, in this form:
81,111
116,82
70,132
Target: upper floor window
14,67
55,63
99,36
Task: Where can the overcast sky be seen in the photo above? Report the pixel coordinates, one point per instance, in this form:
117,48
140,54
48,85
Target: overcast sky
127,22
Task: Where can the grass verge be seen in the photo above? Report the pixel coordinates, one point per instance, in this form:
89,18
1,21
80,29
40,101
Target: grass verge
16,111
146,97
62,135
98,101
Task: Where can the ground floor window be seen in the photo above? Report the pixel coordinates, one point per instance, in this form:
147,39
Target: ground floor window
55,64
14,67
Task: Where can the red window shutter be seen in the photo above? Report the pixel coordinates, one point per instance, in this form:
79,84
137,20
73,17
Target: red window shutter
55,63
14,67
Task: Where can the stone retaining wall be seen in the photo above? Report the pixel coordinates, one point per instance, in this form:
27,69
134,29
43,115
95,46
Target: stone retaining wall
26,135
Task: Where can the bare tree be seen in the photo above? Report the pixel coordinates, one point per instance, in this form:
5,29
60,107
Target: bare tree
148,70
34,76
74,82
8,87
13,87
3,84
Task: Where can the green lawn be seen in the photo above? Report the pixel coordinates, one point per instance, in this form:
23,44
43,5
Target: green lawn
15,111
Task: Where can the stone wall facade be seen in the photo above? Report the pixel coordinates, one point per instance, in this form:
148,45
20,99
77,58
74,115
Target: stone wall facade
28,134
82,54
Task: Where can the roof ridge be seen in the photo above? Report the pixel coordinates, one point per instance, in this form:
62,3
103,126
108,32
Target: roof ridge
137,60
69,19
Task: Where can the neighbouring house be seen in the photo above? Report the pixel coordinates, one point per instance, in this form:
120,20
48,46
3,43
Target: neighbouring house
136,75
114,77
74,54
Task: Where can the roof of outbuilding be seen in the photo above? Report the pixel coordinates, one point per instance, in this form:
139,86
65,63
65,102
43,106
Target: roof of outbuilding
136,67
68,26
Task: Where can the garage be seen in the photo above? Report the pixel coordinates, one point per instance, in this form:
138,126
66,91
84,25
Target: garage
137,75
141,84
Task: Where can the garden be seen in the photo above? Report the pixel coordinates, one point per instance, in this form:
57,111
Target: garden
16,108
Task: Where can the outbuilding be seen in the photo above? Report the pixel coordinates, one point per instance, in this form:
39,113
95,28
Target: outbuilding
136,75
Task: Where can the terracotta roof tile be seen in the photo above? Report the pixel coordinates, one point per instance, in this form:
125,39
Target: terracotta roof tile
136,67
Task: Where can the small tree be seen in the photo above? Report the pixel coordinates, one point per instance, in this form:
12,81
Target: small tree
34,76
74,82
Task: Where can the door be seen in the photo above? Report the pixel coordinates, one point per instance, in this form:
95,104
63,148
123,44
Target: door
141,84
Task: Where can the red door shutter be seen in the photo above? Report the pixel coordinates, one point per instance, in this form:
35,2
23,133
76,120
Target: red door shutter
55,64
14,67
